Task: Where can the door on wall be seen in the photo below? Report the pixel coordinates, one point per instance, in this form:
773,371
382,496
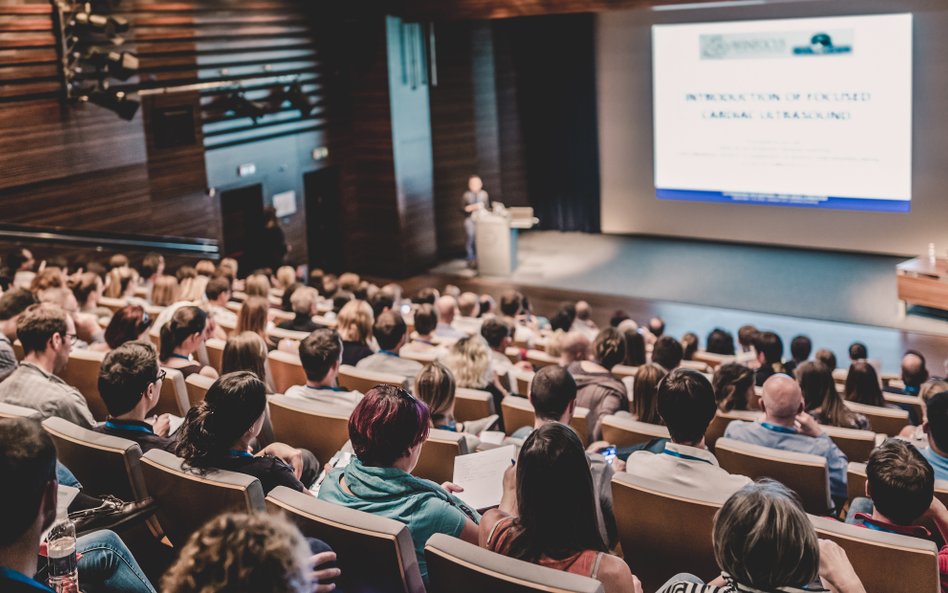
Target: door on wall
323,219
242,216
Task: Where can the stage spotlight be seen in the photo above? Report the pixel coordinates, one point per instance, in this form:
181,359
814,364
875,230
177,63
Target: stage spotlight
109,25
121,65
299,99
116,101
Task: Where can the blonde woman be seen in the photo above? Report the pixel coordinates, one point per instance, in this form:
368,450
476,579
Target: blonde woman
469,361
253,317
285,276
435,386
257,285
192,289
354,323
165,291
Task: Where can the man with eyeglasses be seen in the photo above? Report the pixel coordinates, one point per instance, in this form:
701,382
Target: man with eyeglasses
130,384
48,334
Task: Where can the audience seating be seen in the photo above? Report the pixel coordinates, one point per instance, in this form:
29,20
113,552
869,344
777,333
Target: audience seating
697,365
82,372
885,562
215,353
518,412
286,334
856,444
888,421
422,356
711,359
436,462
361,380
856,483
472,404
188,498
663,530
513,354
805,474
521,381
321,428
173,398
621,371
455,566
11,411
623,431
286,370
540,359
18,350
907,401
114,305
197,385
722,419
374,553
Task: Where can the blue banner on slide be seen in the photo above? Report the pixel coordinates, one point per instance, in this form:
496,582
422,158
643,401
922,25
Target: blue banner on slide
799,201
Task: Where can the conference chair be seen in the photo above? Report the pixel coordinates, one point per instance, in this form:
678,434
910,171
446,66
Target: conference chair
215,353
697,365
885,562
888,421
856,483
540,359
197,385
286,370
472,404
623,431
321,428
518,412
361,380
357,538
722,419
856,444
455,566
286,334
674,531
513,354
436,462
805,474
907,402
18,350
187,498
114,305
422,356
521,381
105,464
82,372
11,411
173,397
711,359
622,371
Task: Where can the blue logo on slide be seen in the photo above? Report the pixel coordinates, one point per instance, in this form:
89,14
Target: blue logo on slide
821,44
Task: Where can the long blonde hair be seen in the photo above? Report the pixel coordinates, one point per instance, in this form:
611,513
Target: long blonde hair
192,289
165,291
355,321
119,280
435,386
252,316
257,285
469,360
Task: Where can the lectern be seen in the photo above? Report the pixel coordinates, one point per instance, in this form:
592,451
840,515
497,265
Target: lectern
495,236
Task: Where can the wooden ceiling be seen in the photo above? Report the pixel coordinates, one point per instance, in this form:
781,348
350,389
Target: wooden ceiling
500,9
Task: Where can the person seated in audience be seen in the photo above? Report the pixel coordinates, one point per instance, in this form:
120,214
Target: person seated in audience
205,267
180,338
18,266
720,341
582,322
28,460
48,335
228,267
745,337
914,374
192,289
936,427
562,321
303,301
769,349
218,293
445,306
513,312
689,345
571,347
635,354
656,327
130,384
916,434
531,525
426,296
246,351
88,329
382,301
598,389
827,357
257,285
469,361
800,348
787,427
127,324
822,401
164,291
755,556
121,284
667,352
151,268
644,406
499,338
284,277
251,552
286,303
355,323
863,387
219,433
618,316
254,316
435,386
686,404
87,289
858,351
321,356
425,341
387,430
467,320
733,385
389,332
12,304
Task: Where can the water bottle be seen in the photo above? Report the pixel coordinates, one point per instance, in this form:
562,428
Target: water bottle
61,556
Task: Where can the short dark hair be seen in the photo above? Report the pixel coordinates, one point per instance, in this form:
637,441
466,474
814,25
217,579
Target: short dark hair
495,331
426,319
386,424
770,345
15,259
731,382
937,414
686,404
900,480
389,329
380,301
667,352
609,347
319,351
858,351
827,357
800,348
28,462
216,287
427,295
745,335
150,264
551,391
15,301
126,325
38,324
511,302
720,341
656,325
125,374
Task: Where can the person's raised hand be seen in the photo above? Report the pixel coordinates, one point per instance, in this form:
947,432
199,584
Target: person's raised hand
807,425
452,487
162,425
320,576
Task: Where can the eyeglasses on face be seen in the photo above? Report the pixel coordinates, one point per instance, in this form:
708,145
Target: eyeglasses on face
160,376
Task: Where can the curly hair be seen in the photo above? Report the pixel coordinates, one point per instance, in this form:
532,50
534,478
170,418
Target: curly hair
238,552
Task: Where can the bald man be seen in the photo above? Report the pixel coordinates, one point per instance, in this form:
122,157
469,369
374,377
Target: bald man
446,307
914,373
787,427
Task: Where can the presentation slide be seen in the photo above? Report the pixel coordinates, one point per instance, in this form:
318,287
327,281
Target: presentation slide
810,112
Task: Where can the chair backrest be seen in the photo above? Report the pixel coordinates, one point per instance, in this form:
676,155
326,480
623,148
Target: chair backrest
436,462
215,353
18,350
512,354
805,474
286,334
621,371
422,356
11,411
105,464
356,537
521,380
540,359
188,499
907,401
460,567
674,526
624,431
286,370
889,421
721,420
697,365
82,372
114,305
472,404
361,380
197,385
173,398
518,412
876,554
321,428
856,444
711,359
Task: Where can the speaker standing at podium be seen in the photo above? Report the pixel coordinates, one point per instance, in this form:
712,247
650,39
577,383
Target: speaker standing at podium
475,198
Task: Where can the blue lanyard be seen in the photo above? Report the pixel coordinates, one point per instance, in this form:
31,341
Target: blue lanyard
388,353
776,428
19,577
181,356
236,453
132,427
686,457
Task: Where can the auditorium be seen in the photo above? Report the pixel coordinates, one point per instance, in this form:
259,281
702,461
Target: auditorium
473,296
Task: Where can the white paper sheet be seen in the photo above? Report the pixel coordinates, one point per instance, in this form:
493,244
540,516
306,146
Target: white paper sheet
482,476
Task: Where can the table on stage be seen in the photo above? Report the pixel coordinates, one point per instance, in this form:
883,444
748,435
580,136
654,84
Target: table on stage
495,235
923,281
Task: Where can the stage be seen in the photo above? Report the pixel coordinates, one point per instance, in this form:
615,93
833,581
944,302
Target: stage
834,297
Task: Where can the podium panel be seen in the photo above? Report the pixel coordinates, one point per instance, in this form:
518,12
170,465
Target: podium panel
496,244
